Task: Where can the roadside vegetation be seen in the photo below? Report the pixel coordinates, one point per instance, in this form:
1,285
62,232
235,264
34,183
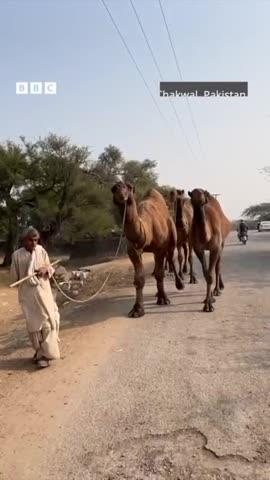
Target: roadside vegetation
58,187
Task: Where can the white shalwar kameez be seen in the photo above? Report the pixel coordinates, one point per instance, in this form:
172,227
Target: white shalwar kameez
37,302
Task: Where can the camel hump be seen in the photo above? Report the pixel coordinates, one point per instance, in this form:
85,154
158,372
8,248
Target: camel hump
215,203
154,208
219,215
154,195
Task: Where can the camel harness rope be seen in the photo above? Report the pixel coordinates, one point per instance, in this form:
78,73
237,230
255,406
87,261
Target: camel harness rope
107,277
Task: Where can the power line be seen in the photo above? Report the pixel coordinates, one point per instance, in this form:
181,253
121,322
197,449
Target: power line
133,59
181,77
146,38
141,74
161,77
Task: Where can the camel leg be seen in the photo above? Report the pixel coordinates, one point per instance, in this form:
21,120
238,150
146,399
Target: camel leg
178,280
193,278
180,261
153,272
139,281
214,257
168,267
186,255
201,256
162,298
217,289
170,255
221,283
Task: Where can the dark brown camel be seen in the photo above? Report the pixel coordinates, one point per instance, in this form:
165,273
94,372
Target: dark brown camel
183,220
148,228
210,227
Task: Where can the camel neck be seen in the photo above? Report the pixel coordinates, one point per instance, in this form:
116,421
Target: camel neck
179,212
133,224
199,219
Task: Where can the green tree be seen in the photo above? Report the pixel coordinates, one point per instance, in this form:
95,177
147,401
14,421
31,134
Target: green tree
109,165
260,212
69,201
14,177
53,185
141,174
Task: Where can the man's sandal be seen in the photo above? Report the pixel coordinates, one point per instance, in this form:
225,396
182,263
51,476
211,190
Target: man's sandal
43,362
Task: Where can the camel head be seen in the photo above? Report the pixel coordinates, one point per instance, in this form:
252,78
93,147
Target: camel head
175,194
199,197
122,192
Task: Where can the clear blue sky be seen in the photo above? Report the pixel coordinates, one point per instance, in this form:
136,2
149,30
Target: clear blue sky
101,98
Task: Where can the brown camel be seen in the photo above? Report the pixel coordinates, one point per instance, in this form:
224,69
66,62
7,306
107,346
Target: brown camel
183,220
210,227
148,228
167,197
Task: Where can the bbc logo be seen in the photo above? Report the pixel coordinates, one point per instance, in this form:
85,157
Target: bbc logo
36,88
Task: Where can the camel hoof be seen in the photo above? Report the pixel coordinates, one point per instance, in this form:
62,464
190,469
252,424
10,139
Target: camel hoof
221,286
163,301
217,292
179,284
208,307
136,312
193,281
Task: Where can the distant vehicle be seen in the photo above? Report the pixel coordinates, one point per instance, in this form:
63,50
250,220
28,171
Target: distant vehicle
243,238
264,226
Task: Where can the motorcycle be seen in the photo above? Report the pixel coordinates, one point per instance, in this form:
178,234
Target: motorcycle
243,238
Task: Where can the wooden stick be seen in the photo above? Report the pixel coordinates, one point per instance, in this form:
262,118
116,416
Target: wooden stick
30,276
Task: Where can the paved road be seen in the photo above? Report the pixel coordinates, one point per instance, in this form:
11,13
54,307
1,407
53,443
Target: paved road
177,394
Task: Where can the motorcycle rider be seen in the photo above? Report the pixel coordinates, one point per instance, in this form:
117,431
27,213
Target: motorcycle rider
242,229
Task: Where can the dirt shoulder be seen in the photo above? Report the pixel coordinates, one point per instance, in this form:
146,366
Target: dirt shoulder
176,394
13,337
30,404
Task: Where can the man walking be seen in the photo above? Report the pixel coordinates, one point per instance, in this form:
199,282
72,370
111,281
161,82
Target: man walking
35,297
